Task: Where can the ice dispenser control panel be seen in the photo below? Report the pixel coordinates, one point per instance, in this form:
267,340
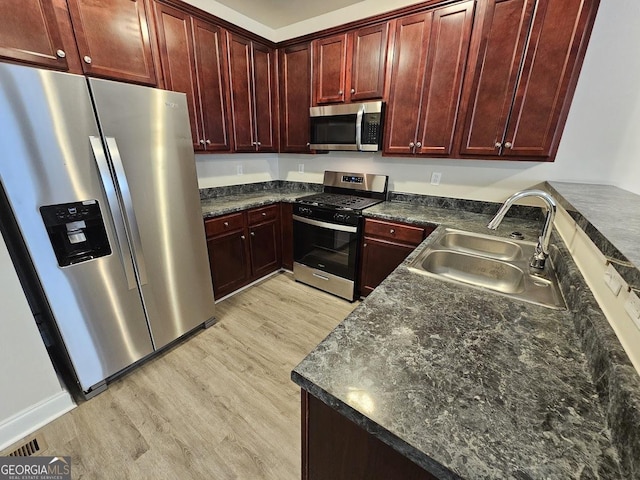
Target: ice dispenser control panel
76,231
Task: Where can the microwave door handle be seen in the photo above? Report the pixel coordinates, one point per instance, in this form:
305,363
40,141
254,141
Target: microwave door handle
116,212
359,119
125,195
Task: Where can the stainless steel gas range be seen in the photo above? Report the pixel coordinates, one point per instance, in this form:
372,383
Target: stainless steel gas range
327,228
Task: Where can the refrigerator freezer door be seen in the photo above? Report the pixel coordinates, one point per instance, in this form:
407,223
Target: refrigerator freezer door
47,158
149,141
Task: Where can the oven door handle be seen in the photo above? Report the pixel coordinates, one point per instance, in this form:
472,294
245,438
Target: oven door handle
330,226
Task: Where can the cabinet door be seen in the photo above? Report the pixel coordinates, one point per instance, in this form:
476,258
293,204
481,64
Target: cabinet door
265,91
30,33
265,248
330,69
552,60
240,82
497,62
295,98
446,62
212,89
409,61
113,39
229,261
379,259
368,69
178,62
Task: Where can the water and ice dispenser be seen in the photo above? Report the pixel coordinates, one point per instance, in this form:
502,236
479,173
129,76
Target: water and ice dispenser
76,231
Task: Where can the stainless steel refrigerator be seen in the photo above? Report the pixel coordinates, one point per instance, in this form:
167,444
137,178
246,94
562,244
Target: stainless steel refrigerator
99,179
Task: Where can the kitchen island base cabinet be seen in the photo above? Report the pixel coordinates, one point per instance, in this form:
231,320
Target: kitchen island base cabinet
335,448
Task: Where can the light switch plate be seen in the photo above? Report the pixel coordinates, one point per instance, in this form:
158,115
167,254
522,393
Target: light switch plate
613,280
632,307
239,169
301,168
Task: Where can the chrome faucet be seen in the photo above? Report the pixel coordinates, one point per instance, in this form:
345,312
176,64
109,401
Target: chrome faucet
542,248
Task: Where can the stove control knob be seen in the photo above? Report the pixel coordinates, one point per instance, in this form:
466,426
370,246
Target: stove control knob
342,217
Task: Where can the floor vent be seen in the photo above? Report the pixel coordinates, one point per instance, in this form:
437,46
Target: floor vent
31,447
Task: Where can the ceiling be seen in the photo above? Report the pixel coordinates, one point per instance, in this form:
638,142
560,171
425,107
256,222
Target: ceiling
281,13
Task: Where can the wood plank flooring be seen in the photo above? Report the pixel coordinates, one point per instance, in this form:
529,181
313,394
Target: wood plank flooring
219,406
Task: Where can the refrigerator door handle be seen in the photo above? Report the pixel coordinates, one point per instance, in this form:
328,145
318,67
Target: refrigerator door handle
125,195
112,200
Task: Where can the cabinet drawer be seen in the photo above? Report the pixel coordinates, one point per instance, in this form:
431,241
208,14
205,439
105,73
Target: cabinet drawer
258,215
394,231
228,223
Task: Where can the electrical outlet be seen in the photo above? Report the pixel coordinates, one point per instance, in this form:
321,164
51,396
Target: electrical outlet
239,169
632,306
613,280
435,178
301,168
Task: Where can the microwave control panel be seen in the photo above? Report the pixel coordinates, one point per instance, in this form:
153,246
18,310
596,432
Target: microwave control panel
371,129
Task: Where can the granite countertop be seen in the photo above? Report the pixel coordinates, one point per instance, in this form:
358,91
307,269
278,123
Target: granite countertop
466,383
610,217
213,207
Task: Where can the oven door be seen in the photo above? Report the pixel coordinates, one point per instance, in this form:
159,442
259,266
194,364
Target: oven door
325,255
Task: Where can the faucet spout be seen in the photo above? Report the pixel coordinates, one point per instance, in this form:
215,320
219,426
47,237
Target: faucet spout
542,248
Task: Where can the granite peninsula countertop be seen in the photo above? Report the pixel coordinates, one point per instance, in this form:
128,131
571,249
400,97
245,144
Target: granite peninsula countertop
466,383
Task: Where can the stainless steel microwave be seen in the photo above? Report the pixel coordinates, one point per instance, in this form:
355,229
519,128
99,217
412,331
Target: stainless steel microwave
353,127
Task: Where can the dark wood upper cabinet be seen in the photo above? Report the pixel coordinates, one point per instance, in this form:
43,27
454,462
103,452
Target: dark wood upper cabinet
29,32
295,97
524,71
113,39
429,63
252,80
212,85
192,57
368,64
351,66
330,73
265,92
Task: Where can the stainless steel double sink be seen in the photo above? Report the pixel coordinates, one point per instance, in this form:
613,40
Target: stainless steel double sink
491,263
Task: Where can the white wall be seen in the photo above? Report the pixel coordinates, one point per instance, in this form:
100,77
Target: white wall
31,394
220,170
600,143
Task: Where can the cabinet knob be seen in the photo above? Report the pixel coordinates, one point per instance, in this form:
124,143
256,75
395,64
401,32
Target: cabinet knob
253,234
308,144
259,144
392,231
242,237
418,144
498,144
61,53
353,90
201,142
264,214
508,145
87,59
208,142
226,224
340,92
411,144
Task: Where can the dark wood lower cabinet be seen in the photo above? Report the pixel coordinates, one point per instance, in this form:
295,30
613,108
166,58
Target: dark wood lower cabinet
335,448
245,246
286,225
229,261
384,246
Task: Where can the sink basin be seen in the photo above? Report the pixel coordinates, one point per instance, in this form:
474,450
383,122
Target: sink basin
480,271
489,263
494,247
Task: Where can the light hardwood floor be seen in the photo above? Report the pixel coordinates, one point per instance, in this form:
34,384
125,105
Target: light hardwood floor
219,406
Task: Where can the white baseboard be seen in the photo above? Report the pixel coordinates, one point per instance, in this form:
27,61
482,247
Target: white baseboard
28,421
